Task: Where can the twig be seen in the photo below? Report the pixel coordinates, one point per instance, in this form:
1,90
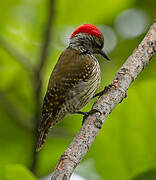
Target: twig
37,77
47,39
112,96
22,59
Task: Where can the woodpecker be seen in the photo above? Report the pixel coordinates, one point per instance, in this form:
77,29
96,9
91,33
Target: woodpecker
74,79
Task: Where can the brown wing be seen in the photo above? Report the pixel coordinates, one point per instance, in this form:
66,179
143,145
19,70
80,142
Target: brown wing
72,68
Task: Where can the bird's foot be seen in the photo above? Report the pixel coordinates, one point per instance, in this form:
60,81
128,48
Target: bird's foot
106,88
86,114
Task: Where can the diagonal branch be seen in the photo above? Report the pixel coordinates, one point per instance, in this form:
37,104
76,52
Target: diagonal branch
112,96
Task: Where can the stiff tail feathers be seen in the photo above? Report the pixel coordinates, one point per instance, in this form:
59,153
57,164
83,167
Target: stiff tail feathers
41,140
43,132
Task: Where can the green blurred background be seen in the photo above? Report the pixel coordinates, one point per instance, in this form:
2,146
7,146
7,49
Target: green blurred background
125,148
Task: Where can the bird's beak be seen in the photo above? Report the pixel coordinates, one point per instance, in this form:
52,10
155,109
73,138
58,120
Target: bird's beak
104,55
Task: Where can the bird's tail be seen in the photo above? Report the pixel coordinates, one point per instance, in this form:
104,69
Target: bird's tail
41,140
43,132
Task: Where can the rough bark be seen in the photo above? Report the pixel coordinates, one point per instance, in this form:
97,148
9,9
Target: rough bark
112,96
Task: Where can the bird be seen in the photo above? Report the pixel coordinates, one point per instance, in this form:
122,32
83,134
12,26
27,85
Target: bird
74,79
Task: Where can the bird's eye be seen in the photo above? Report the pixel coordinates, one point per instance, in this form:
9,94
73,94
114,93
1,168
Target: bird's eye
98,44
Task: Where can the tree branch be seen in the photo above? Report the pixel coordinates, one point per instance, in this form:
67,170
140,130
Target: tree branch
38,77
112,96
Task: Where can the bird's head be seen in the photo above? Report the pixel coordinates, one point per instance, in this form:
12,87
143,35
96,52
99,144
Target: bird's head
88,37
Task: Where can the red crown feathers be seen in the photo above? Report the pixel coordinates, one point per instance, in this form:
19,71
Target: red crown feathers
88,29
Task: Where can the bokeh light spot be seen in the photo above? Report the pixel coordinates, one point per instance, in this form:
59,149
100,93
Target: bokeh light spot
131,23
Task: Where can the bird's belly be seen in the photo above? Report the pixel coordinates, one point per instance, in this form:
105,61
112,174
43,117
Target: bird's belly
84,91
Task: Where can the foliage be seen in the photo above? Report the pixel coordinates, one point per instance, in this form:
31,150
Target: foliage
16,171
125,148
